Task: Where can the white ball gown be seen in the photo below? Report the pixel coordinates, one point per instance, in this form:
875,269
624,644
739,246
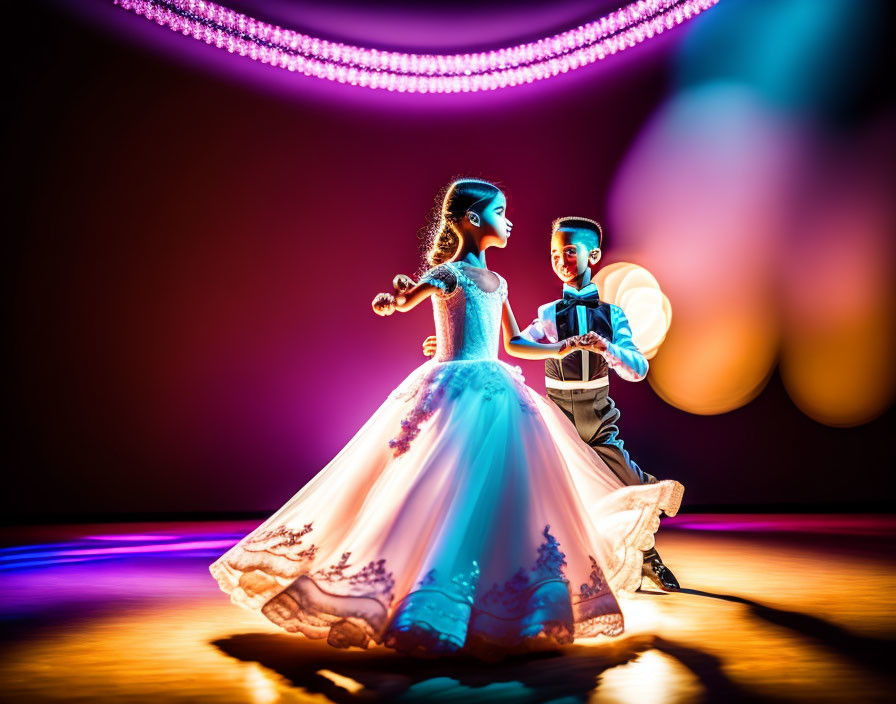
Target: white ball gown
466,514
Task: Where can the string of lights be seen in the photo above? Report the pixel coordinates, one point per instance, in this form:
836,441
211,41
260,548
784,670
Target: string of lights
240,34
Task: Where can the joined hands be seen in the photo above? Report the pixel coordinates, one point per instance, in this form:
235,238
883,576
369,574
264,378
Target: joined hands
591,341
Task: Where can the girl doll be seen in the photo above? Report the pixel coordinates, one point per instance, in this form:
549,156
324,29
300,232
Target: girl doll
466,514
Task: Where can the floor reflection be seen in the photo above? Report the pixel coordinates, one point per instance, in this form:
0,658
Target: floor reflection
787,616
635,669
383,676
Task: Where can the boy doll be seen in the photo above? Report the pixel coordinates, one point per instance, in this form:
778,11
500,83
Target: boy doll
579,383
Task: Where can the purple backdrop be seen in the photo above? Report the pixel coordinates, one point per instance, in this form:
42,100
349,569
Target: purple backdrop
197,239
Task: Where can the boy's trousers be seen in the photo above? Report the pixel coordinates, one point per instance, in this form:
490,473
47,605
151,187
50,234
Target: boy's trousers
594,414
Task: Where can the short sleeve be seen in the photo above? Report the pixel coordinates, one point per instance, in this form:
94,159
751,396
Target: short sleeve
544,328
535,332
442,277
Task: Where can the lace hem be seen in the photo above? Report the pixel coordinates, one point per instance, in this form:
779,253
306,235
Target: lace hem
352,621
651,499
445,614
424,640
250,589
527,607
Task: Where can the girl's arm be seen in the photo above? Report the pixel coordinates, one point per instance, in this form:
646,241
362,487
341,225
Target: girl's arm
407,296
518,346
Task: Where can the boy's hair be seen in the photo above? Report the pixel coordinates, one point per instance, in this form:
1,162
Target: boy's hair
592,238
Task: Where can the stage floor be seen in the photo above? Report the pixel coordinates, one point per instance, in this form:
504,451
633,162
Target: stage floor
775,608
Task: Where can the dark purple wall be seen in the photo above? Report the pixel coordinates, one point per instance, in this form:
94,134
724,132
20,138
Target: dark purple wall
194,246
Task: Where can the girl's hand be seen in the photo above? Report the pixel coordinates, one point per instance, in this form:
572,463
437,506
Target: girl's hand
384,304
402,283
429,346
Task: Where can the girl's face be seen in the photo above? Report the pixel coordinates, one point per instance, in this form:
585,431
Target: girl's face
494,227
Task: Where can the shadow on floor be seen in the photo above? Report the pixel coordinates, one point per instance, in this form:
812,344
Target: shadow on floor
568,674
876,653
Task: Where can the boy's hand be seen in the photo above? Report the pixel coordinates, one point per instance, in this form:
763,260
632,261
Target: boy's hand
599,345
576,342
429,346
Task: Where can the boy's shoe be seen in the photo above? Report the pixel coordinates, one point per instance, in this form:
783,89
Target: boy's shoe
658,573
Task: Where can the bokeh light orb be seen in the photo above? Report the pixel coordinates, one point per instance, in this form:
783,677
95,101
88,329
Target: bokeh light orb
838,287
697,200
637,292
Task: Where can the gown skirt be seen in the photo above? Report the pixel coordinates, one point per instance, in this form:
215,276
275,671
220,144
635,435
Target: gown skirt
465,515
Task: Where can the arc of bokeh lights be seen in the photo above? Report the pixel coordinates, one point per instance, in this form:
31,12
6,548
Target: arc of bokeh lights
418,73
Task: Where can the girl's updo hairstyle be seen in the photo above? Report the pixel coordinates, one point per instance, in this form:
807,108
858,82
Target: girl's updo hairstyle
452,205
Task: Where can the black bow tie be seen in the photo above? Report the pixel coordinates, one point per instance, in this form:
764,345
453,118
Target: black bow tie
592,301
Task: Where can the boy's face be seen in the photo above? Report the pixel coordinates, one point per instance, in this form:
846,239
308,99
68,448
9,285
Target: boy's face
570,259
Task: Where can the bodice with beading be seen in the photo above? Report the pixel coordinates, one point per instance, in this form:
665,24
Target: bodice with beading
468,319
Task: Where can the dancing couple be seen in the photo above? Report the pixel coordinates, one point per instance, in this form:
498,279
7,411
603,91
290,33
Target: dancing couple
470,513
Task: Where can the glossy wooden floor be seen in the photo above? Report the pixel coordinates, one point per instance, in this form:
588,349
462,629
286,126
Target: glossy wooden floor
775,609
